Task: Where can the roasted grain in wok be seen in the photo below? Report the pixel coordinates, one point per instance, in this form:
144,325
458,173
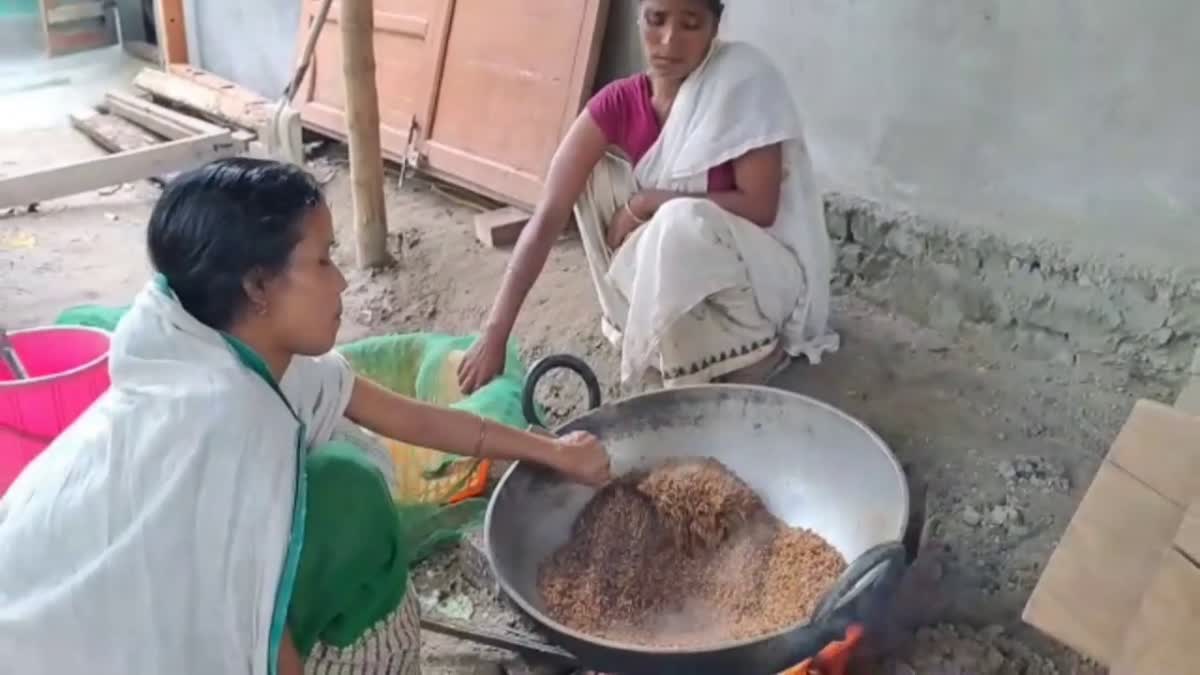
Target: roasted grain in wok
685,555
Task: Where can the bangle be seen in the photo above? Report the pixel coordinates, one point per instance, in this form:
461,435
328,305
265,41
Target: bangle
629,210
482,437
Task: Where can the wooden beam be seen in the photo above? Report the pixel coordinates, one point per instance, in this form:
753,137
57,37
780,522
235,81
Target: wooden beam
228,104
75,177
362,124
172,31
162,121
79,11
501,227
112,133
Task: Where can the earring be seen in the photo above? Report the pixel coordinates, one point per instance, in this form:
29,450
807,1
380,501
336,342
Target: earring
261,309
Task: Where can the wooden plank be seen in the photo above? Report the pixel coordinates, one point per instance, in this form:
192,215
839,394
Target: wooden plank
73,178
233,92
172,31
1187,540
501,227
1160,445
80,11
1102,565
163,121
227,105
362,123
112,133
1162,637
1124,526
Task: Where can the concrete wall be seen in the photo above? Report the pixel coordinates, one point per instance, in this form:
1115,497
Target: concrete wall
1066,120
252,43
1028,168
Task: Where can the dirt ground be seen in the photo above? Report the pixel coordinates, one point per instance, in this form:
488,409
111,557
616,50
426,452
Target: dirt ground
1005,447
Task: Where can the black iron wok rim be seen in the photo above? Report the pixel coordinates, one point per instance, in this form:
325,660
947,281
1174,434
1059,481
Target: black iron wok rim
642,650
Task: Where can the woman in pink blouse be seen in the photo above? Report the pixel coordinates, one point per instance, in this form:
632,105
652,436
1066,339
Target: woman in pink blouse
705,238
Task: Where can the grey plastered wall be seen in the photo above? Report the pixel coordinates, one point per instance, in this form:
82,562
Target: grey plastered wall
250,42
1071,121
1030,167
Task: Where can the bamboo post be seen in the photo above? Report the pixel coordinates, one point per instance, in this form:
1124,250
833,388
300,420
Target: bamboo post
362,126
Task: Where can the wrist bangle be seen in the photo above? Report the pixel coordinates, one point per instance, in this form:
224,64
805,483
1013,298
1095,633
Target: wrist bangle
629,210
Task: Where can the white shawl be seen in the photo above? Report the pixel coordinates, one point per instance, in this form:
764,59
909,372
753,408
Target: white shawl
735,102
150,538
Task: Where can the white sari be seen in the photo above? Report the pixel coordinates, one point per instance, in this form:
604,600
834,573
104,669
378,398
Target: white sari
698,292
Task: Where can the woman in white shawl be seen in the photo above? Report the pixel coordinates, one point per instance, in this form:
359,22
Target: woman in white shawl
709,254
203,517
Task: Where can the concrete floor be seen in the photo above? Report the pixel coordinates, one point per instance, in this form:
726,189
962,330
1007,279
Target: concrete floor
38,92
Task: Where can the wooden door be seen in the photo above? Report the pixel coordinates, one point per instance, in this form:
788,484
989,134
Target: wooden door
78,25
491,85
516,75
409,38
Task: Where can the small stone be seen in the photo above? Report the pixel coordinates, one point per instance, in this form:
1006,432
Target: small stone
971,517
838,224
1161,337
1008,471
999,515
111,217
1017,531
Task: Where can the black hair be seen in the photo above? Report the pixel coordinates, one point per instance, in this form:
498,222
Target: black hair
717,7
214,225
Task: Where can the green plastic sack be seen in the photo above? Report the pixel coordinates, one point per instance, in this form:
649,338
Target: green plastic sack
424,366
415,365
92,316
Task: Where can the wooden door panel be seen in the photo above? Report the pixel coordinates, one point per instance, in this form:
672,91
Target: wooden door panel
515,75
409,35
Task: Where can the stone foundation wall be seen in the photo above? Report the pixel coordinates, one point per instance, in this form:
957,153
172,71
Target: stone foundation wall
1030,298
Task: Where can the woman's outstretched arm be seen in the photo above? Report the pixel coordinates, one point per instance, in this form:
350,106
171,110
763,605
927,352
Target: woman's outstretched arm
570,168
580,457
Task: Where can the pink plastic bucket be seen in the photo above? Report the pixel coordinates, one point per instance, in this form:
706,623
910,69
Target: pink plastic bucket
68,371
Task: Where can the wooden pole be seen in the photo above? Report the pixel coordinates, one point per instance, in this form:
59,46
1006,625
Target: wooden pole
362,125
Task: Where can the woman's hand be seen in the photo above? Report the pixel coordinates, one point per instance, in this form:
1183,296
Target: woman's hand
622,224
582,459
578,456
482,363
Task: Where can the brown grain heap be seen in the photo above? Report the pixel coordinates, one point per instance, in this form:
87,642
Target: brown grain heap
685,555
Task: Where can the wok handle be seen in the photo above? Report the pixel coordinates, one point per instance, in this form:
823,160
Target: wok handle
846,588
557,362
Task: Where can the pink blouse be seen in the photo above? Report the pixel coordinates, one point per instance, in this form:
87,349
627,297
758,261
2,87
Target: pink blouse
624,112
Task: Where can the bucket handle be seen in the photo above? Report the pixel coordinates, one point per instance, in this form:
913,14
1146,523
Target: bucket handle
847,588
551,363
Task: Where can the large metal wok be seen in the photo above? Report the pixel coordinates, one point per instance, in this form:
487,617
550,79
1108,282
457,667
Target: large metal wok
813,465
